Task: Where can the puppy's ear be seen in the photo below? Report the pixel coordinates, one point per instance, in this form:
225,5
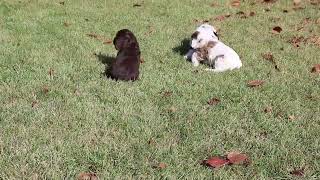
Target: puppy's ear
195,35
211,44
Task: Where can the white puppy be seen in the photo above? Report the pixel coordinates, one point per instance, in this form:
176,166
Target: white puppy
207,32
206,46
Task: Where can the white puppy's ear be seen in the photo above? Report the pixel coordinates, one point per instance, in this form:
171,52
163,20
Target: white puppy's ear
195,35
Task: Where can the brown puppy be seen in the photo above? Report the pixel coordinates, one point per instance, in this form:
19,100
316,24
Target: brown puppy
126,65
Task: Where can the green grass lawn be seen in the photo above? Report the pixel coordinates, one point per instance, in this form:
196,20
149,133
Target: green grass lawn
59,116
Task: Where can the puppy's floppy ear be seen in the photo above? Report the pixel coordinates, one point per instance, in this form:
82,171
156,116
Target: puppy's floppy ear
195,35
211,44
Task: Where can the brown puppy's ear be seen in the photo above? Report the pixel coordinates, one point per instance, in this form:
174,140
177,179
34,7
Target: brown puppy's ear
195,35
211,44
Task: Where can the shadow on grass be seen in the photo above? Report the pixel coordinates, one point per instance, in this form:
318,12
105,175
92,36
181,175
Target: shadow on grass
107,61
183,47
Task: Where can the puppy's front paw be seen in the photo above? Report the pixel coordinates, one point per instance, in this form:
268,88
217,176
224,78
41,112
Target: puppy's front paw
195,64
186,57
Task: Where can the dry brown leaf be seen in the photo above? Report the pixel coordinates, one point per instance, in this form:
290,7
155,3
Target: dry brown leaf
45,89
268,109
215,162
291,117
314,40
241,14
269,1
108,42
314,2
162,165
137,5
297,172
252,13
151,142
214,4
214,101
66,24
296,2
276,30
268,56
316,68
255,83
237,158
235,3
51,72
34,104
167,93
219,18
172,109
295,41
76,92
142,60
87,176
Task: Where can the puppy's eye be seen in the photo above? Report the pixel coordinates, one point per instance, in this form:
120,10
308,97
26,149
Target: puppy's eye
200,41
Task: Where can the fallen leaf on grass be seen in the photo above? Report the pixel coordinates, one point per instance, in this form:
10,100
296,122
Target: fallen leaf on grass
296,8
252,13
34,104
315,2
276,30
241,14
87,176
291,117
219,18
159,166
151,142
142,60
214,101
167,93
268,109
108,42
214,4
100,38
237,158
255,83
269,57
235,3
296,2
297,172
150,30
66,24
314,40
269,1
215,162
51,72
295,41
316,68
172,109
137,5
45,89
76,92
162,165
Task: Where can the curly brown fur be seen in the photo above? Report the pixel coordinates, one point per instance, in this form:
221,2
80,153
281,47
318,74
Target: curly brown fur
203,53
